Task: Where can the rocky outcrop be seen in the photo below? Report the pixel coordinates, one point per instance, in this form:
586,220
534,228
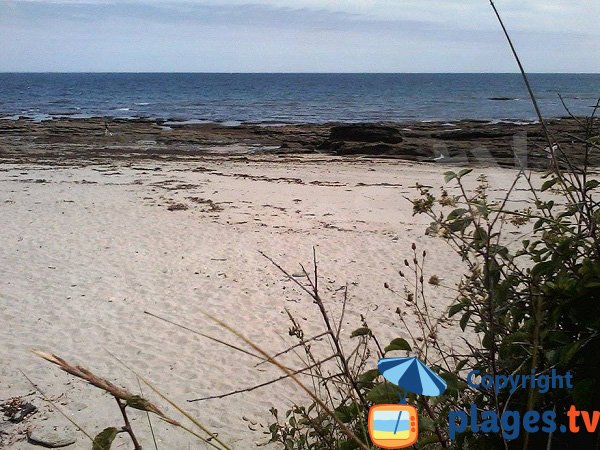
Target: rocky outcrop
477,142
370,140
365,133
412,153
472,134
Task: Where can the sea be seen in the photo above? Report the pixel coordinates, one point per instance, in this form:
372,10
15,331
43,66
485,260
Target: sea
275,98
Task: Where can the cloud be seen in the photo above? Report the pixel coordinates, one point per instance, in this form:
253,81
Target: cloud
269,13
269,35
525,15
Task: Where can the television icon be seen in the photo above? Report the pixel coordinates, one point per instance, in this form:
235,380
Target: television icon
393,426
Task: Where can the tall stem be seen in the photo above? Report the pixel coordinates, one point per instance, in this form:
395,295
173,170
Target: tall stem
127,427
438,432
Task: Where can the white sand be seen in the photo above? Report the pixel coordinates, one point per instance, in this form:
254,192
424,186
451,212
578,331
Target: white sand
83,254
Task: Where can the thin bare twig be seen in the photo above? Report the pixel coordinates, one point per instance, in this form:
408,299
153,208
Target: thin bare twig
300,344
340,322
261,385
214,339
178,408
347,431
55,406
148,417
319,302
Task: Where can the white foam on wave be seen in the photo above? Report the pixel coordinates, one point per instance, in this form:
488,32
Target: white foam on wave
186,122
513,122
230,123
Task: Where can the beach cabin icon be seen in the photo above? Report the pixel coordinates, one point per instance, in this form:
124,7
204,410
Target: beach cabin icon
397,426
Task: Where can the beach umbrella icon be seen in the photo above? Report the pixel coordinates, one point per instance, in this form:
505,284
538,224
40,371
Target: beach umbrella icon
411,375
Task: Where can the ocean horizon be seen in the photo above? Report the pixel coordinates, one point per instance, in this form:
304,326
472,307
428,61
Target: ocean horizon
273,98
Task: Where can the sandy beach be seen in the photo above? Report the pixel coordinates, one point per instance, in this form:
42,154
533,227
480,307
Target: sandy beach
299,225
89,245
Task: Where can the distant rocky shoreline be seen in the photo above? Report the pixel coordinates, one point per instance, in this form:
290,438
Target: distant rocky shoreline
464,142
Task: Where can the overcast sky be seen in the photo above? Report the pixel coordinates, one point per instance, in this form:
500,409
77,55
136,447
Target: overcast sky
296,35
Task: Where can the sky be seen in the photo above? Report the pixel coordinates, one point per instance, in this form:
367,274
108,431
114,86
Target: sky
296,35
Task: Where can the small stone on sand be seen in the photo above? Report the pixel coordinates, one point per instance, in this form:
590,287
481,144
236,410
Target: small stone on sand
52,436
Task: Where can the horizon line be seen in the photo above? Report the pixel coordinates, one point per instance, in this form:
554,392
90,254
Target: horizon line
83,72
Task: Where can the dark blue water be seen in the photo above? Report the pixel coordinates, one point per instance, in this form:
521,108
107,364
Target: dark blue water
292,98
